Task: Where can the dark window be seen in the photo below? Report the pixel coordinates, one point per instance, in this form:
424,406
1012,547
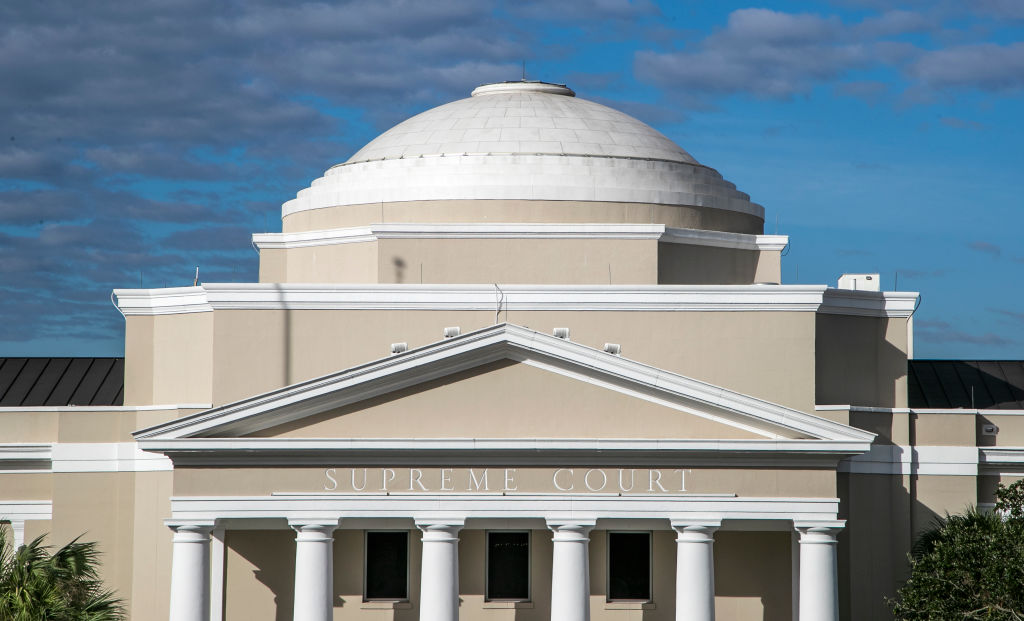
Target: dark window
387,565
629,566
508,566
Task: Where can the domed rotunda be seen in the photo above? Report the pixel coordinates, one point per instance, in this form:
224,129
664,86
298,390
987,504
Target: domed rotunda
527,160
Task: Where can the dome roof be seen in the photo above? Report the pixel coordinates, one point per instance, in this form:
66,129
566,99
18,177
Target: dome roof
523,117
522,141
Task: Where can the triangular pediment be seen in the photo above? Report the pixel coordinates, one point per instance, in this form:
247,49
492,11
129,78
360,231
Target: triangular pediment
505,381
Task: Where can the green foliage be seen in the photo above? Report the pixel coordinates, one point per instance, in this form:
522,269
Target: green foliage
969,566
36,585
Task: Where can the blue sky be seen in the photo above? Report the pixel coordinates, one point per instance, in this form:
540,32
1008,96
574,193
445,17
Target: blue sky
141,140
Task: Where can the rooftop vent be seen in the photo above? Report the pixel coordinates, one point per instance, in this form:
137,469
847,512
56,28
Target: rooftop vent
561,333
398,348
613,348
860,282
452,332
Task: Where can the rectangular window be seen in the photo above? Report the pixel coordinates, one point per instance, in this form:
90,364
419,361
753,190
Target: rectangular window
387,565
629,566
508,565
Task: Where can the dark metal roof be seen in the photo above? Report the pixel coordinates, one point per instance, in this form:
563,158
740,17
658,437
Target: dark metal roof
61,381
997,384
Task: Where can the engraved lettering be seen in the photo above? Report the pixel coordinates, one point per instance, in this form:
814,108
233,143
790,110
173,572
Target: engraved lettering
446,480
387,475
474,482
655,479
415,474
632,481
510,480
332,483
604,480
554,479
682,479
361,487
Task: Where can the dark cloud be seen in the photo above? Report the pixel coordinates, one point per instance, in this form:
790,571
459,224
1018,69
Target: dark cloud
1016,316
983,66
985,247
952,121
760,51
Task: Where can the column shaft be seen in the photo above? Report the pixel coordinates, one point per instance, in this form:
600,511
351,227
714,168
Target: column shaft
439,575
190,573
314,571
570,572
695,572
819,580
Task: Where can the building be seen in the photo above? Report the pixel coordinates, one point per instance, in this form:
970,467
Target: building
520,357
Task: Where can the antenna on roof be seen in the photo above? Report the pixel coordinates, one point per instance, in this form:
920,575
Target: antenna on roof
195,281
524,70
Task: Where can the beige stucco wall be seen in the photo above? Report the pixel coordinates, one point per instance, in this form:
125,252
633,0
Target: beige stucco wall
743,481
340,263
168,359
518,261
523,211
507,400
752,578
861,361
100,507
764,354
938,495
29,427
873,547
681,264
27,486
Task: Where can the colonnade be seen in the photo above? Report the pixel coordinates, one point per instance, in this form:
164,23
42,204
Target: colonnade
570,570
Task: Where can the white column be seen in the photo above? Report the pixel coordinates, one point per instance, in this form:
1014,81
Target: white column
190,572
439,575
217,574
695,570
819,580
18,533
570,571
314,569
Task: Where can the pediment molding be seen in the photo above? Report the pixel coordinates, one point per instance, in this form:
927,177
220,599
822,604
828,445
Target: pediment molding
225,427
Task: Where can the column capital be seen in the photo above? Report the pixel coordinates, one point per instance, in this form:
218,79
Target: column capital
583,525
696,531
824,531
444,522
190,531
314,523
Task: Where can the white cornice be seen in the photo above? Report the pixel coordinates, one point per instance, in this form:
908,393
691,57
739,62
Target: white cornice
240,452
475,506
994,458
724,298
170,301
504,341
37,452
502,230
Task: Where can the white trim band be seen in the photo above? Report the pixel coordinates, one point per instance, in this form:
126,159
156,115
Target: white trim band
503,230
474,297
894,459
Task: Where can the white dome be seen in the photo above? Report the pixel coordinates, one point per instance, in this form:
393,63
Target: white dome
522,141
523,117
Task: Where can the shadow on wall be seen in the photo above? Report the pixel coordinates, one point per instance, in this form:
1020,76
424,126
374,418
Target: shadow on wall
269,556
754,569
883,516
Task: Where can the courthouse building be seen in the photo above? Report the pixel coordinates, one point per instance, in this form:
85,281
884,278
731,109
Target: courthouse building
522,358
